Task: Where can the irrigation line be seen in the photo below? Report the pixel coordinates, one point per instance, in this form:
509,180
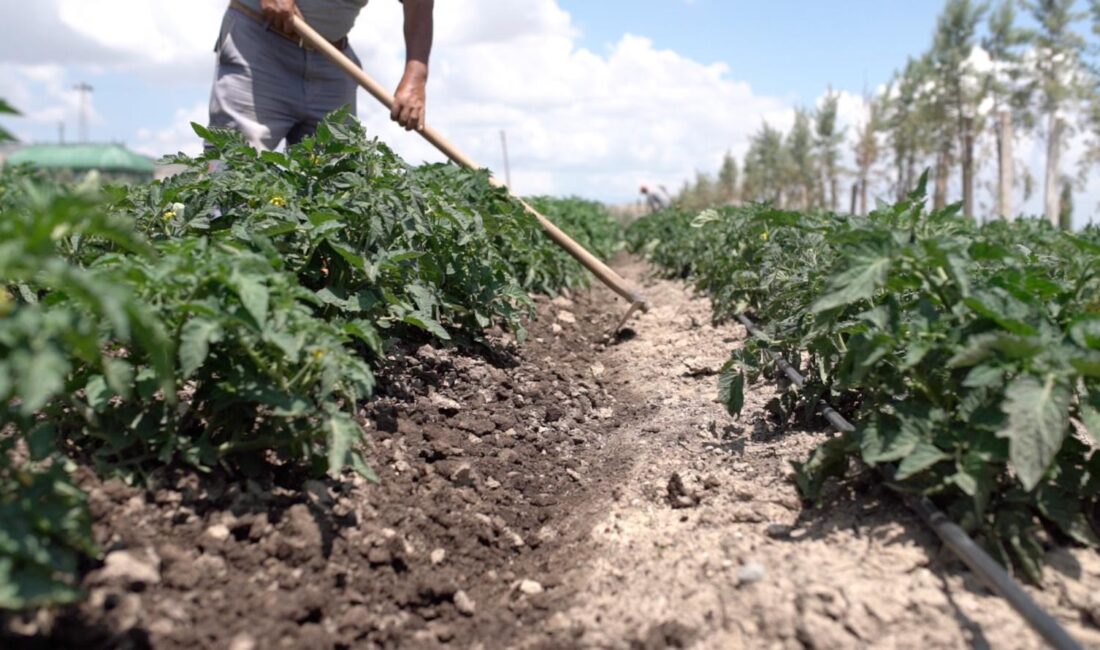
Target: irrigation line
955,538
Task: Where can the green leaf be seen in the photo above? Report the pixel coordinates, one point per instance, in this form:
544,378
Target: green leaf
428,324
44,377
923,457
1038,415
342,432
859,281
1086,332
731,388
25,587
886,440
97,393
253,294
830,460
195,338
1090,416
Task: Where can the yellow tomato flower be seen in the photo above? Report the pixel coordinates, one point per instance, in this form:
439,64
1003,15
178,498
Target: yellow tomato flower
278,202
169,215
764,235
318,354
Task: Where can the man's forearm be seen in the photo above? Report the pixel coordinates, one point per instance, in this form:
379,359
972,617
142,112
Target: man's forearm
419,26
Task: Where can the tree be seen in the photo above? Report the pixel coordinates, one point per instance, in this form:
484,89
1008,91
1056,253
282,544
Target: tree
1065,211
867,150
727,179
827,141
6,109
801,168
904,124
1009,96
698,195
764,167
1060,82
963,89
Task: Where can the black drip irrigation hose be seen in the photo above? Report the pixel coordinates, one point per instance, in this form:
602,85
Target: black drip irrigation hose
955,538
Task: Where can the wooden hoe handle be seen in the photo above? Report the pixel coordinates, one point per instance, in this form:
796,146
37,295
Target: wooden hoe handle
606,275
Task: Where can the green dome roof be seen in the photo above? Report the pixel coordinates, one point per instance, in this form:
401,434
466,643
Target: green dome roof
103,157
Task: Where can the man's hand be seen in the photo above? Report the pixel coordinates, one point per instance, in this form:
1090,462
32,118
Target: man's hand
281,13
410,100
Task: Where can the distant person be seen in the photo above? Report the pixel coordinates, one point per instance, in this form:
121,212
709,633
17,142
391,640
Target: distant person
653,200
271,86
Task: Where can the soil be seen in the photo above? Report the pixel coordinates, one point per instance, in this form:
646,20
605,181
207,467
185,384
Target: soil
569,492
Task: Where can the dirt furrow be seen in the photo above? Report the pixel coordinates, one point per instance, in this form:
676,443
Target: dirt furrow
733,559
565,493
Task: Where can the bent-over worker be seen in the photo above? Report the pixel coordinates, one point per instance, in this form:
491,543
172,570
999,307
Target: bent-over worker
653,200
272,86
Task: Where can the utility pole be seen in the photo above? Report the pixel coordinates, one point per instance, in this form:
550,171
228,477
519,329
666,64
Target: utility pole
507,165
84,89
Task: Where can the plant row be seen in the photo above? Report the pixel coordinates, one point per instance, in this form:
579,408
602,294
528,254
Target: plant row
968,356
231,318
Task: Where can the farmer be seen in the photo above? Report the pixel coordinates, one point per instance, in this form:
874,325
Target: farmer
655,201
271,86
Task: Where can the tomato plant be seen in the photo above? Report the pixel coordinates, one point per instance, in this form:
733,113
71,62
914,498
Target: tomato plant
968,356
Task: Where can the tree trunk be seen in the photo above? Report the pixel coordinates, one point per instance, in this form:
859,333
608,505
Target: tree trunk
968,166
855,196
939,199
899,190
834,190
1053,188
863,193
1005,165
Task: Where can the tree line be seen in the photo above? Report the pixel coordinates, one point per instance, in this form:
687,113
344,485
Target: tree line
993,74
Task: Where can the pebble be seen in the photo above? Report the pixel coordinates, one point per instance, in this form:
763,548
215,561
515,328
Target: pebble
464,604
751,573
438,555
492,483
218,532
530,587
463,476
127,567
243,641
445,405
567,317
778,531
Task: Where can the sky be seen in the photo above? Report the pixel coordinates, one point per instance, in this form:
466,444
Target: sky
596,97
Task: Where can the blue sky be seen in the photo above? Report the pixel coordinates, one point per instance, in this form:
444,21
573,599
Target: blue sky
791,48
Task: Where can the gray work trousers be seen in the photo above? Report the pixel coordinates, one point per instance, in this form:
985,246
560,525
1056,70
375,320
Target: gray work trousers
269,88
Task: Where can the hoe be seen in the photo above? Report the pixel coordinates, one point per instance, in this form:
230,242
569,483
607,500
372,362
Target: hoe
609,277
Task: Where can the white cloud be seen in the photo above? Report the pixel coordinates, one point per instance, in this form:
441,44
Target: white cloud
177,137
577,121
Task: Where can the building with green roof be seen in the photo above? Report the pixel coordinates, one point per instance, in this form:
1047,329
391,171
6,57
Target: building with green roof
113,161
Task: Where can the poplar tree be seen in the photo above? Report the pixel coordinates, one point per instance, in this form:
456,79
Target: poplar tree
727,180
1060,83
800,169
1010,103
827,140
961,87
